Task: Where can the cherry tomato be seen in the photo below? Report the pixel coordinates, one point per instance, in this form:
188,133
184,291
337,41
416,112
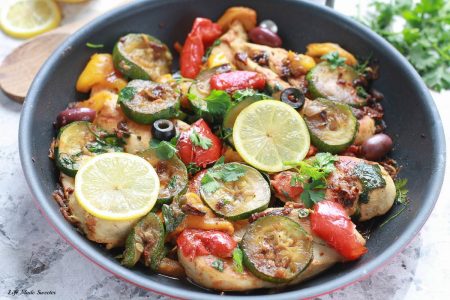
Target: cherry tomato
237,80
332,224
194,242
281,183
190,153
204,32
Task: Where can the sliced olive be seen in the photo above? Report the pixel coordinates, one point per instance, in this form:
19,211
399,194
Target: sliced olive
163,130
276,248
294,97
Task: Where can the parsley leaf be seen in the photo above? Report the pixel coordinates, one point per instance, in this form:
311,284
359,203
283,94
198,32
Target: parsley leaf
240,95
334,59
313,192
218,265
192,168
401,191
173,181
225,173
238,256
218,102
209,50
172,218
164,150
200,140
94,46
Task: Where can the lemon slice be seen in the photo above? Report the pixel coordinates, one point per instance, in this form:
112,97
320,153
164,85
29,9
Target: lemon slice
117,186
28,18
268,133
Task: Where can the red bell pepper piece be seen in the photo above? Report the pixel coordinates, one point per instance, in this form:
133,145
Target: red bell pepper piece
237,80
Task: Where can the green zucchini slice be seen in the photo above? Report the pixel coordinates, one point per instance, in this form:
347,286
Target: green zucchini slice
141,56
145,101
334,84
237,200
71,150
332,125
235,109
172,173
147,240
276,249
201,89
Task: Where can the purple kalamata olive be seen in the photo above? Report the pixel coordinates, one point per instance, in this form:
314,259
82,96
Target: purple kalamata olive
264,36
75,114
376,147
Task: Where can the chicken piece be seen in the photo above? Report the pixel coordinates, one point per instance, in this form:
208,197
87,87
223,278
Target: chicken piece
111,233
200,269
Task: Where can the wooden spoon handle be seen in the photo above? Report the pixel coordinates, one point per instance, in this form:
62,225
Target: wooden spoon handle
19,68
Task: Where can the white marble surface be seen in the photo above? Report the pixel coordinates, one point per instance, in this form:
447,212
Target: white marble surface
33,257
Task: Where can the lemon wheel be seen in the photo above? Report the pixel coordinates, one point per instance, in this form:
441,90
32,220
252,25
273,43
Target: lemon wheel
268,133
117,186
28,18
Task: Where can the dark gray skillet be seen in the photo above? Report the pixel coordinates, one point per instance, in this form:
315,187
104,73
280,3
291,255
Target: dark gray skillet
411,115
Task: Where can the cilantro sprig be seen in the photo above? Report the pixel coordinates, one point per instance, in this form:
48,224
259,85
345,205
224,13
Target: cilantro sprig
334,59
423,36
200,140
164,150
221,172
312,174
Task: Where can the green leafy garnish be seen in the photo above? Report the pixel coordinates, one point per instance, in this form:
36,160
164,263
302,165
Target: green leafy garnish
218,102
94,46
361,92
200,140
209,50
192,168
334,59
218,265
173,181
240,95
164,150
401,191
312,175
423,37
172,218
238,256
225,173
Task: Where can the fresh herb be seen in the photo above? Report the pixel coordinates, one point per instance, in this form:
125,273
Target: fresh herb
401,191
192,168
393,216
312,175
334,59
218,265
173,181
209,50
240,95
172,218
104,142
94,46
164,150
200,140
238,256
224,133
218,102
361,92
361,67
221,172
423,36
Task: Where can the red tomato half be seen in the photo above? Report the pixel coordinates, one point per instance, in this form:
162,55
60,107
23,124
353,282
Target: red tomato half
281,183
237,80
189,153
194,242
331,223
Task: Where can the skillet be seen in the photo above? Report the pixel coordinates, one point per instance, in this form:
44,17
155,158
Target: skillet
410,114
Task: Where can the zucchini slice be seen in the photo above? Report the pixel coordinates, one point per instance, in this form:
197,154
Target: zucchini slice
201,89
145,101
276,249
236,108
172,173
237,200
71,150
141,56
334,84
147,240
332,125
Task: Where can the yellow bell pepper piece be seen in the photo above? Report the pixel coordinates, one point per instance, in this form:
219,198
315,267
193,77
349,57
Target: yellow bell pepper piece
217,59
300,64
97,101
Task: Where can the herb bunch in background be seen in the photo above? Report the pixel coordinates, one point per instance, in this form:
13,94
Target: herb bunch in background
424,38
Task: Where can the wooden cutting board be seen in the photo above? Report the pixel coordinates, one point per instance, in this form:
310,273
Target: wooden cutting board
19,68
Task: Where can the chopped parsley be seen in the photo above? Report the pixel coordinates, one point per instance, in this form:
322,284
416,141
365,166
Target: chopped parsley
192,168
173,181
94,46
164,150
218,102
218,265
240,95
172,218
238,256
221,172
200,140
334,59
361,92
401,191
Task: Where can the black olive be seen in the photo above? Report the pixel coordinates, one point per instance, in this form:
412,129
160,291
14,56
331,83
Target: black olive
294,97
163,130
